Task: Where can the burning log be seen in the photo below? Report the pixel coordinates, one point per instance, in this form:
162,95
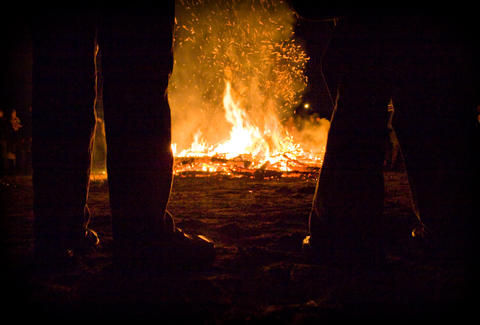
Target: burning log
238,76
241,166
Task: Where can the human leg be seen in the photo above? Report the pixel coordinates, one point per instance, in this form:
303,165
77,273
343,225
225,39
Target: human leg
63,123
435,100
346,215
137,60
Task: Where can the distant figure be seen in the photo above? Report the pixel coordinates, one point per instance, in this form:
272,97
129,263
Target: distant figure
14,141
424,64
15,121
392,159
3,143
136,48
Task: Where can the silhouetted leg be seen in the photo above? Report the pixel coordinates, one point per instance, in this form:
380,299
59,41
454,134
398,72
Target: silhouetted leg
136,60
434,102
63,124
346,215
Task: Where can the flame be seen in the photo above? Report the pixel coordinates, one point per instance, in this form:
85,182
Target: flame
239,73
269,147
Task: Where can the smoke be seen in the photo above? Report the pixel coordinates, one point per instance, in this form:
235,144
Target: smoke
251,44
312,133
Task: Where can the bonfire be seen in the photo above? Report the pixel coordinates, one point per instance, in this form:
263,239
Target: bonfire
239,74
237,81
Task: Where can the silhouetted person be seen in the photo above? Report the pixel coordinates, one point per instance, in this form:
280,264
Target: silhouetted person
136,48
425,65
4,125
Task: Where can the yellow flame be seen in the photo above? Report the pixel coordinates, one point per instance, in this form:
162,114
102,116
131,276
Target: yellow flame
270,144
244,137
238,74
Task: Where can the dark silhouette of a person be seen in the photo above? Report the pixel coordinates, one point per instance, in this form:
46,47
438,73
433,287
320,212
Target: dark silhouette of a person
424,63
137,58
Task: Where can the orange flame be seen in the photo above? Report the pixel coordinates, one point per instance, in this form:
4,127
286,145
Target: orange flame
270,145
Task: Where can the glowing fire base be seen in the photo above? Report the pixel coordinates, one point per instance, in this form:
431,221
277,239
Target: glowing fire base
267,151
241,166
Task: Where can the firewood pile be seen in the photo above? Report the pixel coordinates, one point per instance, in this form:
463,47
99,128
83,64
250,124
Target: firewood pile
243,166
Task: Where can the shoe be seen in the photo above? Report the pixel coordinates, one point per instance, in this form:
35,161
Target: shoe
174,250
342,255
182,250
89,242
315,253
186,250
58,253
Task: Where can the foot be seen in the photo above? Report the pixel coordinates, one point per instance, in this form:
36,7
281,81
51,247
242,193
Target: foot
324,252
315,253
173,250
89,242
188,250
53,254
183,250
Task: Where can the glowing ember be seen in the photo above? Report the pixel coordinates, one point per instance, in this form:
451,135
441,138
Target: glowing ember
238,76
270,149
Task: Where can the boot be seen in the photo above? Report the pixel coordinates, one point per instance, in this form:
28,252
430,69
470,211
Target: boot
59,252
173,250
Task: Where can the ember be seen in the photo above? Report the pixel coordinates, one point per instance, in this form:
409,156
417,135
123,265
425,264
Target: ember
248,151
239,74
237,79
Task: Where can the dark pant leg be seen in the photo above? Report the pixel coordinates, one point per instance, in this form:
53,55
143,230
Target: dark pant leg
434,103
348,203
63,123
136,61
